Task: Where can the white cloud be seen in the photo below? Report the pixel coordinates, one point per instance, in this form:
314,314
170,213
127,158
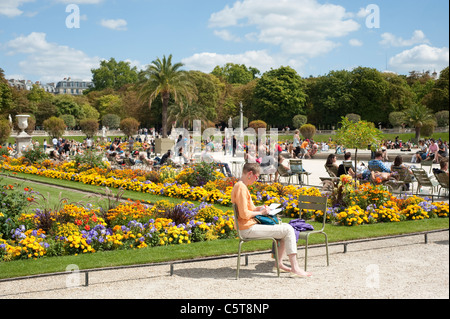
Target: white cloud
79,1
50,61
114,24
363,12
10,8
421,57
226,35
261,60
418,37
355,43
303,27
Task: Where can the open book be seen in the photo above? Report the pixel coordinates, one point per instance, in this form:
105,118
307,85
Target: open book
274,209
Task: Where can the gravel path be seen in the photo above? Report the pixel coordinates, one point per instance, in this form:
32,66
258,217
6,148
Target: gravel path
388,269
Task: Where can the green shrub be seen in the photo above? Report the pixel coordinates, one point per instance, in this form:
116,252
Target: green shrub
13,202
299,120
308,131
35,155
89,160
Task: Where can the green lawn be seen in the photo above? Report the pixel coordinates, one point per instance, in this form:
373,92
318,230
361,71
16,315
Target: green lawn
178,252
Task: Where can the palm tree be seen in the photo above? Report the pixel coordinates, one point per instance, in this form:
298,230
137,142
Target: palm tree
417,115
185,115
164,79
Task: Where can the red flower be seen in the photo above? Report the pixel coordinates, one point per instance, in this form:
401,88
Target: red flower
87,227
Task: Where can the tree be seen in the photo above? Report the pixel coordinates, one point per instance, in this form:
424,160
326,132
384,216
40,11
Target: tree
308,131
129,126
112,121
54,126
442,118
89,127
438,99
164,79
397,119
5,130
416,115
113,74
184,116
299,120
369,90
329,98
279,95
257,125
357,135
65,104
109,104
6,98
236,73
69,120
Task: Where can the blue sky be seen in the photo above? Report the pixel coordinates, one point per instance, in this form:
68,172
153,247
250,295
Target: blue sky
312,36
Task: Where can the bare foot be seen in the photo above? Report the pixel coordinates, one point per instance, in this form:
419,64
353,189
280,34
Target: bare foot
284,268
302,274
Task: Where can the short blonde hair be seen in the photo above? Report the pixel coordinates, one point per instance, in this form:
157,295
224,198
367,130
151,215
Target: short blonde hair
251,167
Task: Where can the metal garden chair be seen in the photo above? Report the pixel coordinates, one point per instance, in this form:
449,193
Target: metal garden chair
442,179
316,203
427,164
423,180
244,240
297,168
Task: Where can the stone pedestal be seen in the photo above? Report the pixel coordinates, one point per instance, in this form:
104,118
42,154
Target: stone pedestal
162,145
23,140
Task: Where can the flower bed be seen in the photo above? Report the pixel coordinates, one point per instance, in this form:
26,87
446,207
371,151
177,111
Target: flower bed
75,229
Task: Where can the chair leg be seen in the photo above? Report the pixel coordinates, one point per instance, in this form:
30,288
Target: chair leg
276,257
239,260
306,254
326,246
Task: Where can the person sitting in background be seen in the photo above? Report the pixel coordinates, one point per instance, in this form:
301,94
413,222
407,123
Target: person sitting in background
208,158
377,164
422,153
433,154
398,163
166,158
380,177
443,167
443,150
331,164
341,168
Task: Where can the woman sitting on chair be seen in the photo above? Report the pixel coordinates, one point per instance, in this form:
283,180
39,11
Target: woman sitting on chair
249,228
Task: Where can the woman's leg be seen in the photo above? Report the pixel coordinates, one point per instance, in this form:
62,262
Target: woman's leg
288,243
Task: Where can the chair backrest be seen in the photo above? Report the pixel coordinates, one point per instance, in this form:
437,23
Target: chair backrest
422,177
282,171
427,164
347,166
443,180
313,203
329,171
296,166
236,222
403,174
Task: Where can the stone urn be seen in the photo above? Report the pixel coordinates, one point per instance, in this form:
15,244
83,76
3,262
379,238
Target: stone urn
22,122
23,140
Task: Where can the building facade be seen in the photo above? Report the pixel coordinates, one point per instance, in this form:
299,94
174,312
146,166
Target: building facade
72,87
66,86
